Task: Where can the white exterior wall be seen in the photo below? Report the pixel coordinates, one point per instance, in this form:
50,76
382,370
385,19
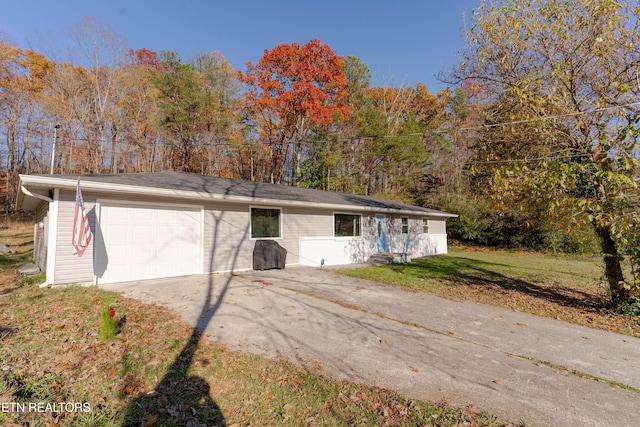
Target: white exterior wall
298,223
334,250
40,238
227,244
350,250
68,267
307,235
415,242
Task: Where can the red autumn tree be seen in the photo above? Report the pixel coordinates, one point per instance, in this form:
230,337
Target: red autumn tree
144,58
292,91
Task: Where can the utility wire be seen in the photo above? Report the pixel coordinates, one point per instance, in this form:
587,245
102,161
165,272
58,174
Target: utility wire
552,117
517,122
525,160
441,131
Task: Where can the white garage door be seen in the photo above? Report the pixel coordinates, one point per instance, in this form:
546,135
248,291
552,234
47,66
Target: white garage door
147,242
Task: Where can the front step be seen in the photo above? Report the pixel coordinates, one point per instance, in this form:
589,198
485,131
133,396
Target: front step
389,258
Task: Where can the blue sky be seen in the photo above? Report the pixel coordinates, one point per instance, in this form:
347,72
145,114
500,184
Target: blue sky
403,42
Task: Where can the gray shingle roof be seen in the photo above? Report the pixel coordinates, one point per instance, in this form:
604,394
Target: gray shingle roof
182,181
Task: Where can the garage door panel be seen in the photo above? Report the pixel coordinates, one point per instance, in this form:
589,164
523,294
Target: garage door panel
143,233
141,214
146,242
118,215
119,232
166,217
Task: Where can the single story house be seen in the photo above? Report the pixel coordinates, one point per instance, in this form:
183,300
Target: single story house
168,224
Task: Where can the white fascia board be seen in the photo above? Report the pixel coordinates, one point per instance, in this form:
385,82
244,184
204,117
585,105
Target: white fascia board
69,184
52,238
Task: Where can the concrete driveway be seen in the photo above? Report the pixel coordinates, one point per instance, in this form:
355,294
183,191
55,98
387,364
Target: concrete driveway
423,346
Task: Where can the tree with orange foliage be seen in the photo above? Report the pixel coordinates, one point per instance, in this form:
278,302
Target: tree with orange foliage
136,111
293,90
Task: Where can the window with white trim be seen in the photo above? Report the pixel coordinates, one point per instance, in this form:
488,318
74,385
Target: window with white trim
346,225
265,223
405,225
425,225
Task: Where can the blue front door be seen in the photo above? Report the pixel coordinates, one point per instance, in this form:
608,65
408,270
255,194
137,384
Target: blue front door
381,235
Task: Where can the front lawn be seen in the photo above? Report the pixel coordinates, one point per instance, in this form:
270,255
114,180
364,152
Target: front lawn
569,288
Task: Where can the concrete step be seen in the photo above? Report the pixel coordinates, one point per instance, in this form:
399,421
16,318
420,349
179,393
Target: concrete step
389,258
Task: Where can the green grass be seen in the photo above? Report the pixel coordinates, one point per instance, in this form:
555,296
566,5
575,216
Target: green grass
461,266
569,288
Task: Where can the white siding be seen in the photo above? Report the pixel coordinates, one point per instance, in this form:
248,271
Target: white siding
68,267
338,250
40,230
226,238
228,243
298,223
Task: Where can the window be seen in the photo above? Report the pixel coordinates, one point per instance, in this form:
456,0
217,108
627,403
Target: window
405,225
265,223
425,225
346,225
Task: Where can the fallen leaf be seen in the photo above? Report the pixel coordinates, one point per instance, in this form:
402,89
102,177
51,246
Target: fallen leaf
163,400
151,421
499,382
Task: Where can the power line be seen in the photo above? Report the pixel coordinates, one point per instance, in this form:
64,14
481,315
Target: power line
531,160
553,117
413,134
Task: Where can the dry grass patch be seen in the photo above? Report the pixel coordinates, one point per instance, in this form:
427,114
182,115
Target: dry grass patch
16,232
159,372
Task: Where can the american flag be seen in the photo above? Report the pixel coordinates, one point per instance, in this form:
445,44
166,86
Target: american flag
81,231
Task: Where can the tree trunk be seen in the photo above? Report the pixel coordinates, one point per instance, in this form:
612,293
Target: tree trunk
612,267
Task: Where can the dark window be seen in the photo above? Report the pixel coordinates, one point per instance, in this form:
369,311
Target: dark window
346,225
405,225
265,223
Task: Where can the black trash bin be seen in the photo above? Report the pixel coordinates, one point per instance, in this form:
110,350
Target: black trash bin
268,254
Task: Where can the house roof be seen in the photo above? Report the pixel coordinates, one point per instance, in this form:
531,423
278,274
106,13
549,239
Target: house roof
200,187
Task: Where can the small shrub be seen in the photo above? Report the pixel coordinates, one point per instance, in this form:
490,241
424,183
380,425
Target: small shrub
108,325
629,307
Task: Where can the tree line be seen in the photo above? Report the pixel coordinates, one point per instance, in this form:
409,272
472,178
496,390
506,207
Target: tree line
300,116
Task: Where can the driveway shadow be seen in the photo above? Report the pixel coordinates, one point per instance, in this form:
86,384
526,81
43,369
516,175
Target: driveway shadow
181,399
470,272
